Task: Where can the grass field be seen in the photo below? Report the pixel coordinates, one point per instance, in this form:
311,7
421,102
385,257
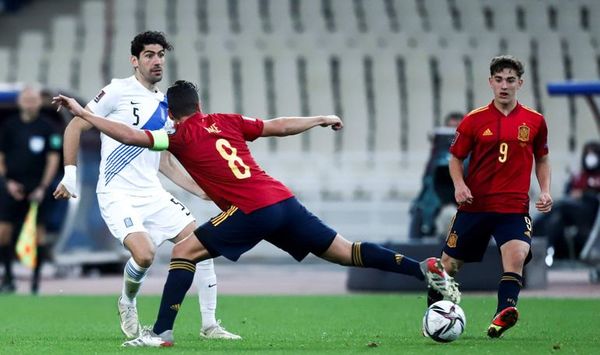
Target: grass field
376,324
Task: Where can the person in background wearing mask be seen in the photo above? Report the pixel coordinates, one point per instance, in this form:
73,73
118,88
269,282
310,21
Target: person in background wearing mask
570,223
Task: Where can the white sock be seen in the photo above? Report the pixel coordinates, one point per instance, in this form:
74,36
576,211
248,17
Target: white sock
133,276
206,282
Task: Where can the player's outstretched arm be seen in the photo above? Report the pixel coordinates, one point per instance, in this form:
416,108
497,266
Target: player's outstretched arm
115,130
172,169
287,126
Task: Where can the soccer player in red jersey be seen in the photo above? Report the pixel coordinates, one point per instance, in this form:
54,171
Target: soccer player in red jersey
503,140
213,149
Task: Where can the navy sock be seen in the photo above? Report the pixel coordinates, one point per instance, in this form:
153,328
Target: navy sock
181,276
508,291
375,256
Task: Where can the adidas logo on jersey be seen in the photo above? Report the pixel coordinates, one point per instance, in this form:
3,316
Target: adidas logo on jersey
487,132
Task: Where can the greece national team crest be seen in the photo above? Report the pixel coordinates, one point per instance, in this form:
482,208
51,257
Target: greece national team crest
524,133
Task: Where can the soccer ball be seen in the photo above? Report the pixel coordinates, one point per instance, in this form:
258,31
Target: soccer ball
444,321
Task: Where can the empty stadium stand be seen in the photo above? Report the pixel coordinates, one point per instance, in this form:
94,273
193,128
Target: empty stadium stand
391,68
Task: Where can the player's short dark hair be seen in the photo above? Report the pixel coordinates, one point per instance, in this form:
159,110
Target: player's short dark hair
183,99
502,62
146,38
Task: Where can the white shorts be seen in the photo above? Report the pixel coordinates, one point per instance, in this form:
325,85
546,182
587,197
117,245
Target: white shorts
161,215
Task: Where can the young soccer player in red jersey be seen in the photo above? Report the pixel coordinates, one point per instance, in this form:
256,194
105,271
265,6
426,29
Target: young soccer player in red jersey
213,149
504,139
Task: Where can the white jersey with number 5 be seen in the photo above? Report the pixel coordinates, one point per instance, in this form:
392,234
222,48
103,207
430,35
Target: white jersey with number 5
125,168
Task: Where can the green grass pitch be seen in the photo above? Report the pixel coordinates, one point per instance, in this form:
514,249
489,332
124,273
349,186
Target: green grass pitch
375,324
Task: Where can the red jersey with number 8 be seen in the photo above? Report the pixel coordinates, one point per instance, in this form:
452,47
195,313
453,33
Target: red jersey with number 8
502,150
214,151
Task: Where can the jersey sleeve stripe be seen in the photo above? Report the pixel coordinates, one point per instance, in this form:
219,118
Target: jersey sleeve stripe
479,109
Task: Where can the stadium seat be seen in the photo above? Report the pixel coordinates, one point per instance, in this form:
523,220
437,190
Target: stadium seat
219,20
5,70
282,20
30,53
555,109
536,16
439,17
61,55
410,18
453,81
420,101
186,12
251,21
156,12
580,50
388,101
312,17
471,16
320,97
286,88
379,18
185,56
345,16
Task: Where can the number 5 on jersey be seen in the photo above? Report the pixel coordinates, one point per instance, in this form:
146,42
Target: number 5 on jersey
234,162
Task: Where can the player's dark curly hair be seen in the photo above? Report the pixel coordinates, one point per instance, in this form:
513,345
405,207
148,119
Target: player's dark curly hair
146,38
502,62
183,99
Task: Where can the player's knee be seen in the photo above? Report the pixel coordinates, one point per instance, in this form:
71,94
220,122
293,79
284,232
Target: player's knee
182,251
144,258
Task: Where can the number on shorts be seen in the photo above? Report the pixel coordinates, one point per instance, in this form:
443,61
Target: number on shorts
503,152
528,223
183,208
234,162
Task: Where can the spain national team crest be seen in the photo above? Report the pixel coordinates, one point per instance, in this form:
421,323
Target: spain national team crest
451,240
524,133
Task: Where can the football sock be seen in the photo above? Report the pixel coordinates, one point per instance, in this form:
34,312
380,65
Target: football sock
375,256
206,281
133,276
508,291
179,280
41,257
6,256
433,296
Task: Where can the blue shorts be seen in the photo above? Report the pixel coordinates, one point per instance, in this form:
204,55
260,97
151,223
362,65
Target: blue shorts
287,224
470,233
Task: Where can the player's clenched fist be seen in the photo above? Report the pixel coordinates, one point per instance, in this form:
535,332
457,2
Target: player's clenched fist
334,121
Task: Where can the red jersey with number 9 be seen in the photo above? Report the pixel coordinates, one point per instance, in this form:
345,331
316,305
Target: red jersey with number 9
213,150
502,150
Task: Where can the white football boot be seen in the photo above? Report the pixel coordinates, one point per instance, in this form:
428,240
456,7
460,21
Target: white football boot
130,324
218,332
148,339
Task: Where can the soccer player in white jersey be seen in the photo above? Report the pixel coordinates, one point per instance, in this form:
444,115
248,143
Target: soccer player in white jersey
136,208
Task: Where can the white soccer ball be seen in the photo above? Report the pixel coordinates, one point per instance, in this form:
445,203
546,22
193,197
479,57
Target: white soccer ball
444,321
